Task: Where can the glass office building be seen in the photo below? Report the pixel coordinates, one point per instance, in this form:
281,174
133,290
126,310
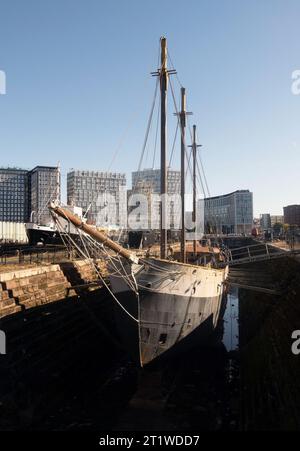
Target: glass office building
14,199
292,215
265,221
151,179
44,187
230,213
25,195
101,194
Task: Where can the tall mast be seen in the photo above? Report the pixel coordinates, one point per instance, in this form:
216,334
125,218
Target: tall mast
163,145
194,217
183,113
183,124
163,73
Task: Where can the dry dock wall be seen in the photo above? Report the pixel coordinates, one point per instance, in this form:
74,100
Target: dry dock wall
270,372
57,356
56,338
26,288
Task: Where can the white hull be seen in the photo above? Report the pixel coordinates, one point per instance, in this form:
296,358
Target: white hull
171,301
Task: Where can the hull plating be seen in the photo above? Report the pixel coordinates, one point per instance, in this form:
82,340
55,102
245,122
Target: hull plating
172,301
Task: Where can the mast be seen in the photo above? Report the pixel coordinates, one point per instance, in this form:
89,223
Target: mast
183,124
194,217
163,146
163,73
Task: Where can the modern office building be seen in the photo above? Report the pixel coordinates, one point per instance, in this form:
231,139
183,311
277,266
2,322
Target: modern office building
230,213
101,195
25,194
14,195
142,203
152,177
44,187
292,215
277,219
265,221
148,183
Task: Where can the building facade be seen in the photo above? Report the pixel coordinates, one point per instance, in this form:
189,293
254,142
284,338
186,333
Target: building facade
148,183
44,187
152,177
13,232
230,213
292,215
277,219
102,195
24,195
265,221
14,195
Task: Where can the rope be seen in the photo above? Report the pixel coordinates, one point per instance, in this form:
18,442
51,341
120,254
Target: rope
87,257
179,124
122,139
173,67
156,136
173,147
200,159
147,130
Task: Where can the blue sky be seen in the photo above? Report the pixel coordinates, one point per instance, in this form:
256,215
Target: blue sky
79,87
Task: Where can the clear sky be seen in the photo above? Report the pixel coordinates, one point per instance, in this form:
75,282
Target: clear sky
79,86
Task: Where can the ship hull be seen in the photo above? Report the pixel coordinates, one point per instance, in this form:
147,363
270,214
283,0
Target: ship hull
174,306
46,235
43,236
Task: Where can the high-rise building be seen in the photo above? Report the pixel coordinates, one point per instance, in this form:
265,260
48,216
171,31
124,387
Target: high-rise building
44,187
152,177
101,194
292,215
265,221
148,183
14,199
277,219
147,205
25,194
229,213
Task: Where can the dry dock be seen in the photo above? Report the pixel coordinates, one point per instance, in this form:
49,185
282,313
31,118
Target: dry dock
65,369
270,372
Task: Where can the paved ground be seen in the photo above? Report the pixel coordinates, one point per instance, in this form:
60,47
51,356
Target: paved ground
283,245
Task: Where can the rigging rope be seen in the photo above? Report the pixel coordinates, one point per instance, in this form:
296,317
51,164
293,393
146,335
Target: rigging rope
173,146
179,124
87,257
148,129
156,136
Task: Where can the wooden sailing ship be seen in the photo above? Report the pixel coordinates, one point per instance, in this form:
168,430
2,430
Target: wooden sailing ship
161,304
